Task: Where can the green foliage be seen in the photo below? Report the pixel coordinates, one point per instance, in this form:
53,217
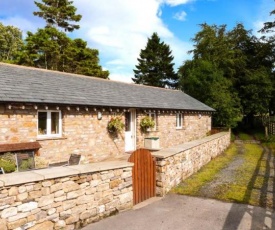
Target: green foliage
7,162
193,184
155,66
231,71
26,164
51,49
10,42
269,27
115,124
58,13
146,123
206,83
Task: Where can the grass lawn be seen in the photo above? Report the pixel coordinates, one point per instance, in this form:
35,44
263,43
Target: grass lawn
251,182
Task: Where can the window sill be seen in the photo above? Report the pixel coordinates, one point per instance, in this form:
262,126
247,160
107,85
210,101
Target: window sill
50,138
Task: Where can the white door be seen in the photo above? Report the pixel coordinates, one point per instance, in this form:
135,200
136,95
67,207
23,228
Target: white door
130,130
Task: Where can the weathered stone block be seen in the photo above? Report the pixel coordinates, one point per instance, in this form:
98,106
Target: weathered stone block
22,189
46,191
46,200
68,204
45,225
51,211
35,194
126,174
69,186
3,224
61,224
59,193
103,187
61,198
27,206
115,183
22,196
94,183
72,219
79,208
6,201
84,199
17,223
126,197
47,183
12,211
13,191
56,187
18,216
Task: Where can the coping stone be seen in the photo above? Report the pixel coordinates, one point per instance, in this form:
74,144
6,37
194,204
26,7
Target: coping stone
168,152
20,178
55,172
101,166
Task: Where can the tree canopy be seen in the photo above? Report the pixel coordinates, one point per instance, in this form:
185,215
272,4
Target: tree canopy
10,42
50,47
231,71
155,67
58,13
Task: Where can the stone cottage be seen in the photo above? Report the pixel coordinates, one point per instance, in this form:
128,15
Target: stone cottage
57,114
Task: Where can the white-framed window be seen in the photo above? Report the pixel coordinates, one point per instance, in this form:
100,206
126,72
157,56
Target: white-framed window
49,123
179,121
154,118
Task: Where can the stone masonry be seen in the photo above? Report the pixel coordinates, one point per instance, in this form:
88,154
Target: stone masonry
86,194
176,164
83,133
193,127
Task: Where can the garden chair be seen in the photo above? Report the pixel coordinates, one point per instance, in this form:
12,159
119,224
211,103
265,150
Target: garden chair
73,160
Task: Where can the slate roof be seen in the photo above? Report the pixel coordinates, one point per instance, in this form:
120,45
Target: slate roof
33,85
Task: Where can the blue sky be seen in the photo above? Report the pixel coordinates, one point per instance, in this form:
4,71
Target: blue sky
119,28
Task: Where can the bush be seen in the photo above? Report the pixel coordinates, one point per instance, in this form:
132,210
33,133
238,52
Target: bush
8,163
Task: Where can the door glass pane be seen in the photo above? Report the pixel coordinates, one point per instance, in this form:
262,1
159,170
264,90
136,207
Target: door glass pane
55,122
127,121
42,123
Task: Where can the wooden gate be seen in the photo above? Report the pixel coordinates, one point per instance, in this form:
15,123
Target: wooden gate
144,175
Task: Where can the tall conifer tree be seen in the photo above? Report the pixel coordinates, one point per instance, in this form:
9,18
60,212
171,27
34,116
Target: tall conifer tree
155,66
58,13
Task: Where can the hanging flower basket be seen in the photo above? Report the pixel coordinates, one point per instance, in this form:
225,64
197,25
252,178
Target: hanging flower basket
146,123
115,125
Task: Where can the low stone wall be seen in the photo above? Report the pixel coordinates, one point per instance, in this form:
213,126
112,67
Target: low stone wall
179,162
64,197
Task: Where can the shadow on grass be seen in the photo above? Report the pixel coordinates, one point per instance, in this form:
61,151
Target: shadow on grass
259,219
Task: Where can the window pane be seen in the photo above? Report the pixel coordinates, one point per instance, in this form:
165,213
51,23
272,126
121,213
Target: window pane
179,120
42,123
55,122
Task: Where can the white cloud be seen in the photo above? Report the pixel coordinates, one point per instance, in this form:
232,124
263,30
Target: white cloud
265,8
120,30
22,23
176,2
181,16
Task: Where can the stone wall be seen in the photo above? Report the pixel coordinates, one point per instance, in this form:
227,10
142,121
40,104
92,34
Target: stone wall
194,127
83,133
181,161
64,197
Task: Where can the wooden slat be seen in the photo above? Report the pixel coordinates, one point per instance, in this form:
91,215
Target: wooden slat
144,175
